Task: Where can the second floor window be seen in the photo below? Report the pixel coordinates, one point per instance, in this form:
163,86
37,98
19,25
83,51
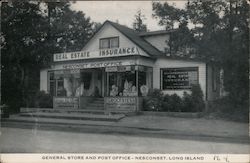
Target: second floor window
112,42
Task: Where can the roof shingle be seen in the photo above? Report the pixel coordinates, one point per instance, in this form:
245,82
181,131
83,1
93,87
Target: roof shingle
135,38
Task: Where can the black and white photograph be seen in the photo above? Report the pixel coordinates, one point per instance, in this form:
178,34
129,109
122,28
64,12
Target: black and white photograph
125,77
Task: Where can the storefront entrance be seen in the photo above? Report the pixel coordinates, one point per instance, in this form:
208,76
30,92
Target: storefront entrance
118,88
92,82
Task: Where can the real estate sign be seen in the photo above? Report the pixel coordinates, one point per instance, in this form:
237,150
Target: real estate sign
179,78
102,53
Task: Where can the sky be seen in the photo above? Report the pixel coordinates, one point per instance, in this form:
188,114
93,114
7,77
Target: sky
122,11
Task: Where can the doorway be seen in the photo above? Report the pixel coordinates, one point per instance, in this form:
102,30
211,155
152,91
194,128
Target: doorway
92,82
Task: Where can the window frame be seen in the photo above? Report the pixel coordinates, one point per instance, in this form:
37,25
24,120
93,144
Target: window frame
109,41
49,81
187,68
214,79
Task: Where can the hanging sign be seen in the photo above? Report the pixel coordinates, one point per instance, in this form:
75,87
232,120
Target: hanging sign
103,53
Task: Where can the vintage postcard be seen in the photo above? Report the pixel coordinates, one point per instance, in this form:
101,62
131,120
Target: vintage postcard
124,81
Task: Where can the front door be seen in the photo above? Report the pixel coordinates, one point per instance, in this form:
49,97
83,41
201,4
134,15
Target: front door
92,81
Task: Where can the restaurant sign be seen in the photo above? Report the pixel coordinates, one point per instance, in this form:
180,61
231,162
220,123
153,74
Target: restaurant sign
179,78
114,52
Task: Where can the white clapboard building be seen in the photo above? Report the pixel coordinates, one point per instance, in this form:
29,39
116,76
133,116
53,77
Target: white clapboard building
118,66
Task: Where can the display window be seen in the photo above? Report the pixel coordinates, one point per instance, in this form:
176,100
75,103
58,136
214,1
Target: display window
118,81
51,88
64,83
136,81
122,83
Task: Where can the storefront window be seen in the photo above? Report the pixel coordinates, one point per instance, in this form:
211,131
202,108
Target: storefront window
122,83
129,81
214,79
145,80
51,83
141,80
64,83
60,87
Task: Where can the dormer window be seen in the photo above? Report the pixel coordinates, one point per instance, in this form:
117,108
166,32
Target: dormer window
111,42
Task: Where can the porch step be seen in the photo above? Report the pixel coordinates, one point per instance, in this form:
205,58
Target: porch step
97,104
99,100
79,111
74,116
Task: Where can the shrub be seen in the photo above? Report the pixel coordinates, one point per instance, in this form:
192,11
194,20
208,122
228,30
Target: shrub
156,101
197,99
166,103
43,100
175,103
153,102
187,102
225,108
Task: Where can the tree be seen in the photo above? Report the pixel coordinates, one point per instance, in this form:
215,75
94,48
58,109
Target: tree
224,38
96,26
69,29
138,24
168,15
176,20
23,31
220,34
31,33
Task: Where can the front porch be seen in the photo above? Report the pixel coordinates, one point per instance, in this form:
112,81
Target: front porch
112,89
107,104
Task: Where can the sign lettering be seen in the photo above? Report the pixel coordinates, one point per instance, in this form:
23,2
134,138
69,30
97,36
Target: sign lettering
114,52
66,102
94,64
121,100
179,78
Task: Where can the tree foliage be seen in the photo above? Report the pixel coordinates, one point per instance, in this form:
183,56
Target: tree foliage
138,24
219,33
31,32
171,17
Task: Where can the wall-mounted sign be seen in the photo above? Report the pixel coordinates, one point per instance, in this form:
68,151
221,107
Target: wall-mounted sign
179,78
118,52
122,104
118,69
120,100
94,64
114,52
66,102
67,73
111,69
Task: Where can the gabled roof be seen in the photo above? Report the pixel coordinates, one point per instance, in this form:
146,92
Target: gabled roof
135,38
151,33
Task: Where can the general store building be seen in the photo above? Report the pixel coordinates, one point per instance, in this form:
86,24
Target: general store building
118,66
